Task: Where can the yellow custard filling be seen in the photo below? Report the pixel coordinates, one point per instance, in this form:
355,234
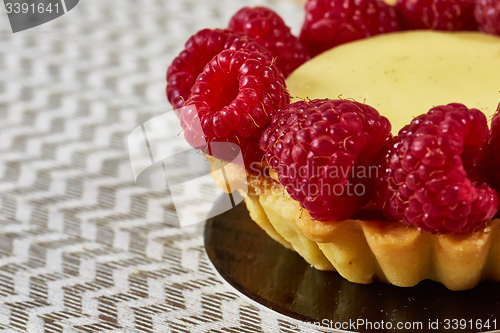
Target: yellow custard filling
404,74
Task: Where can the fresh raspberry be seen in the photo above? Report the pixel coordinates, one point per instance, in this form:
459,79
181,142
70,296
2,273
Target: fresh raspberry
487,14
332,22
423,179
269,29
198,51
233,100
320,149
447,15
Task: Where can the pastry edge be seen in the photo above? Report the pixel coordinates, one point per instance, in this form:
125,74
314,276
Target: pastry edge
365,251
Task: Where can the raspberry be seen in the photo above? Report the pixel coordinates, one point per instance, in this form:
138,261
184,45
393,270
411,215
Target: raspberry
198,51
319,148
424,181
232,101
269,29
332,22
447,15
487,15
490,159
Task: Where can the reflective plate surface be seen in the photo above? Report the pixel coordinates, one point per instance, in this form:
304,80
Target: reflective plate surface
277,278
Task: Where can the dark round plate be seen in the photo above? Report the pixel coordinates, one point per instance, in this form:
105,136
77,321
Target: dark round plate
266,272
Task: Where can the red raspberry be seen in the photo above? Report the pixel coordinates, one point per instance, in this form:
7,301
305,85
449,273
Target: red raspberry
233,100
198,51
487,14
319,150
495,122
269,29
447,15
424,181
332,22
490,158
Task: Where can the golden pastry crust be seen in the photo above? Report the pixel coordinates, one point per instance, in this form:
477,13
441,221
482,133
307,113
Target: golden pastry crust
231,177
392,252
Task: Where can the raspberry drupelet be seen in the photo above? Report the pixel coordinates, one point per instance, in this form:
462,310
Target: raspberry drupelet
424,181
317,148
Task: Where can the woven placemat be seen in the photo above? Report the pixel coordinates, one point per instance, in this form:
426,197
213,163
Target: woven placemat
82,248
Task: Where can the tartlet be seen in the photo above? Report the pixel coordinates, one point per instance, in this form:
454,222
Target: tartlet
369,249
232,91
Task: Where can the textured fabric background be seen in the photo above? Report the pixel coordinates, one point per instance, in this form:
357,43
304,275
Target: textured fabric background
82,248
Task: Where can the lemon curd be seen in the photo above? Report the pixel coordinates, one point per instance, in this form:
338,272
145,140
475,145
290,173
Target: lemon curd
404,74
